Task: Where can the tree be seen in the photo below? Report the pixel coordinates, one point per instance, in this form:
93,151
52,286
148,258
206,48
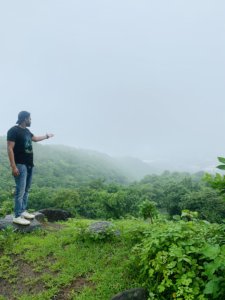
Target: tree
148,210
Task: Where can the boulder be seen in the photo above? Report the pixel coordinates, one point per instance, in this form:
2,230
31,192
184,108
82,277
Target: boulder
8,221
39,216
54,215
103,227
132,294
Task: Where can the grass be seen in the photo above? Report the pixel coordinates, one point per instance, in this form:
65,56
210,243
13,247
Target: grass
62,263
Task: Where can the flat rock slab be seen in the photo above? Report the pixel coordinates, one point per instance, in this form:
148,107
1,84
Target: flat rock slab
54,215
8,221
132,294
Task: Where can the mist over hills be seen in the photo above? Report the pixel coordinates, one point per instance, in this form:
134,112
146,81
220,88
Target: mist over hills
55,164
185,165
58,165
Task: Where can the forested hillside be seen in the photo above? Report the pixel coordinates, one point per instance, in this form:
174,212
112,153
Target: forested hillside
62,166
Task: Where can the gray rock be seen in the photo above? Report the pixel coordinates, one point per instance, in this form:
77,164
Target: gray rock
54,215
132,294
8,221
39,216
103,227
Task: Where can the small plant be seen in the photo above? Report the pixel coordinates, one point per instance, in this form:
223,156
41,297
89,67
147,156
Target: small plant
7,238
6,208
222,165
148,210
218,181
188,215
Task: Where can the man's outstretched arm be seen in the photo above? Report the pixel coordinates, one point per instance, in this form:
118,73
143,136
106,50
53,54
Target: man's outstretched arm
41,138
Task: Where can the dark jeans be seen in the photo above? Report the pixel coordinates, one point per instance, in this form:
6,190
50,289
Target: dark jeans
23,183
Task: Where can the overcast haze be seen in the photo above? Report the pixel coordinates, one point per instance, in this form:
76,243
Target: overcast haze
138,78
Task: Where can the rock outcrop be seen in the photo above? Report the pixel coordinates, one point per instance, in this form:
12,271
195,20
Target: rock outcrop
54,215
132,294
8,221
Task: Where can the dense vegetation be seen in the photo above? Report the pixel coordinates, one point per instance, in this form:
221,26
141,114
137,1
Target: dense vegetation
171,192
89,185
178,252
182,260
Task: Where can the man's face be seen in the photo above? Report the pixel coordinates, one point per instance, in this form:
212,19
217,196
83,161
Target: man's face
28,121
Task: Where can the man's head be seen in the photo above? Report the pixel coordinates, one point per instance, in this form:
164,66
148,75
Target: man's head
24,117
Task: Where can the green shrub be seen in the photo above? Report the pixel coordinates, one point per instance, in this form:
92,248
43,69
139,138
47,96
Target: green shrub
6,208
148,210
182,260
7,237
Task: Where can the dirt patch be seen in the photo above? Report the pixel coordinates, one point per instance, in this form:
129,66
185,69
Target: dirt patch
26,281
4,289
75,287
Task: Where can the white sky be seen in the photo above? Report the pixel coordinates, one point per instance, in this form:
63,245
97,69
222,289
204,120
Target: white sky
139,78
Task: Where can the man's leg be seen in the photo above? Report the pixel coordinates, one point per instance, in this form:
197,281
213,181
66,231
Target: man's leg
27,187
20,189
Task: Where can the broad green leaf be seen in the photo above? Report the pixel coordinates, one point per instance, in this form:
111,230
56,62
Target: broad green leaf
212,287
210,269
221,167
222,251
161,288
221,159
211,251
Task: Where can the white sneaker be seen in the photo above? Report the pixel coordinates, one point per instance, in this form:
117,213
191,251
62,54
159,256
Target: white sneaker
27,215
21,221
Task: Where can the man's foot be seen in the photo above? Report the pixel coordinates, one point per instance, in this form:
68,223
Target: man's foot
21,221
27,215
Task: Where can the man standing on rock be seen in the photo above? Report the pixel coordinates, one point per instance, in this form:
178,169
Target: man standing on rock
20,152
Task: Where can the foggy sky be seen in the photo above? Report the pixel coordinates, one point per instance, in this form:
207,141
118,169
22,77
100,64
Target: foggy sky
140,78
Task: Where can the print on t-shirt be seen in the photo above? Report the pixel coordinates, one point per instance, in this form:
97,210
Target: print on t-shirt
28,144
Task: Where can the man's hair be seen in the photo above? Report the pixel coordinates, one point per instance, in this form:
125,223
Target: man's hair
22,116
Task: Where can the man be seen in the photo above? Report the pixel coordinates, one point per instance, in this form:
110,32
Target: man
20,152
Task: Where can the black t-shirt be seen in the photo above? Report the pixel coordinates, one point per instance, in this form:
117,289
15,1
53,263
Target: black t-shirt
23,151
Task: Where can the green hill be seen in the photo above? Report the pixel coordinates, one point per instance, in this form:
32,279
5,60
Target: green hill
63,166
